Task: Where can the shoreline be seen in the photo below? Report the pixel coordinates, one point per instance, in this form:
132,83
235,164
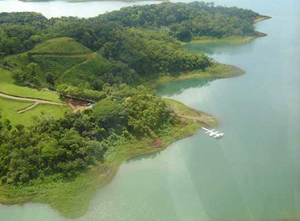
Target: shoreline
72,199
261,18
218,71
233,40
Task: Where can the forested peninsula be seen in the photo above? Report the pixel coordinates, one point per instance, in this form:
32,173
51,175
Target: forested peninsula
77,96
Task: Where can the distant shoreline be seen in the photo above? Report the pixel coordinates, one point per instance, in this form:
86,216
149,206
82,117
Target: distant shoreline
218,71
233,40
71,200
261,18
80,1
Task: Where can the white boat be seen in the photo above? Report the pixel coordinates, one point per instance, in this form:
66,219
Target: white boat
213,133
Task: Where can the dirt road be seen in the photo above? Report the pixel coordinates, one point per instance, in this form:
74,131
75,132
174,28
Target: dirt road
30,99
36,101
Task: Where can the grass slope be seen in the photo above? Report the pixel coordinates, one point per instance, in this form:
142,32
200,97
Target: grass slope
235,40
82,71
58,64
7,86
61,46
9,110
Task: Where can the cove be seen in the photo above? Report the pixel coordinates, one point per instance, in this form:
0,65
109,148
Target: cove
250,174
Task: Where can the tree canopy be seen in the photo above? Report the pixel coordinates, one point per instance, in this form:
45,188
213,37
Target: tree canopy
97,58
60,149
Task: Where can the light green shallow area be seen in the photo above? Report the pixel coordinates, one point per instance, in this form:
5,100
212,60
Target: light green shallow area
253,173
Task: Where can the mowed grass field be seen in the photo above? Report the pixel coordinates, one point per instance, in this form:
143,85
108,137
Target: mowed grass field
9,110
61,46
9,107
7,86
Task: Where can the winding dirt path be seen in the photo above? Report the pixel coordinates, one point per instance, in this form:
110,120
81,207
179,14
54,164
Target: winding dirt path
28,108
36,101
30,99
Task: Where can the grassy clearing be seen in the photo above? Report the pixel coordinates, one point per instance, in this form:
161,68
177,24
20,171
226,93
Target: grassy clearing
235,40
9,110
46,109
61,46
72,198
7,86
82,71
218,70
10,107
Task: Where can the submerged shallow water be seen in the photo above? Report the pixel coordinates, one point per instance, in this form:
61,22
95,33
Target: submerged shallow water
253,173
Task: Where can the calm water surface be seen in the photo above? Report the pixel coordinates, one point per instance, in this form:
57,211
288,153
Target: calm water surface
63,8
253,173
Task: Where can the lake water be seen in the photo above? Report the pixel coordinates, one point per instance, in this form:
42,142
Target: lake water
253,173
63,8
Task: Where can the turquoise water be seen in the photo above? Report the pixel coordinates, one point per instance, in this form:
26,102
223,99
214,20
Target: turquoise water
253,173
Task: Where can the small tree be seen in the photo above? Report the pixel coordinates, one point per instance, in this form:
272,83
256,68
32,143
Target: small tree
50,78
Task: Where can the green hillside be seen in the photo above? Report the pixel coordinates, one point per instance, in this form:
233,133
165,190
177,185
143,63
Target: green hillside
54,56
57,64
92,67
61,46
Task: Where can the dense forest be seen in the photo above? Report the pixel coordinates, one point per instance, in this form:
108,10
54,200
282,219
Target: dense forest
101,59
128,45
187,21
122,55
62,148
